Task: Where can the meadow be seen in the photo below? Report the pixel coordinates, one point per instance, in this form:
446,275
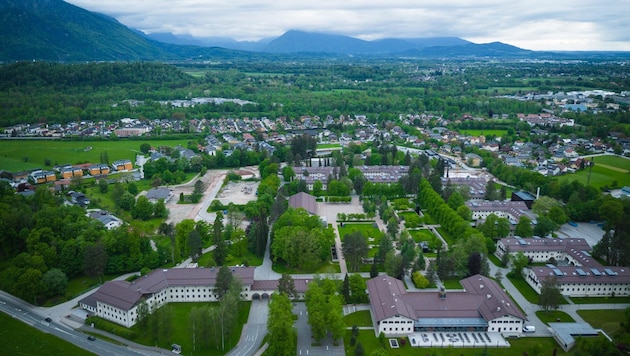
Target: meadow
600,176
20,155
497,133
613,161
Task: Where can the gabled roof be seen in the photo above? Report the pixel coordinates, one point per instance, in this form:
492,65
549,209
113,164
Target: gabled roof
496,303
305,201
125,295
159,193
386,297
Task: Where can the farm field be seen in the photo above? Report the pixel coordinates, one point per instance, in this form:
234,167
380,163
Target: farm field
19,155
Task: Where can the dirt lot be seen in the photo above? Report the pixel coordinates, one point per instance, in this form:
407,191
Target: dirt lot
213,180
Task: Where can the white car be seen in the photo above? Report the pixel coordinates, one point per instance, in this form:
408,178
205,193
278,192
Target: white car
529,329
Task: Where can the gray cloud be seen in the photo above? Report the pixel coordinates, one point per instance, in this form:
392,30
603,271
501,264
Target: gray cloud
534,24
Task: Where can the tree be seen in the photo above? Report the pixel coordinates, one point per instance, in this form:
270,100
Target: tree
145,148
194,245
355,249
358,350
419,280
524,227
316,306
54,282
127,201
545,226
143,315
550,295
503,227
102,185
357,287
286,285
282,334
159,209
143,209
224,281
519,261
474,264
95,260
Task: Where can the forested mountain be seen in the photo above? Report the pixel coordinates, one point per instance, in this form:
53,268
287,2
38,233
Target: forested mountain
58,31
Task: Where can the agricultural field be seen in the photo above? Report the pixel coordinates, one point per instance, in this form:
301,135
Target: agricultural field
20,155
613,161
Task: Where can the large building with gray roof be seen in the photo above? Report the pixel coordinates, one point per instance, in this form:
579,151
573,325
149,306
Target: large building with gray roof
578,274
482,306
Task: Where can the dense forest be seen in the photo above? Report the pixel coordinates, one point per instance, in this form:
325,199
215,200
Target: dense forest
60,93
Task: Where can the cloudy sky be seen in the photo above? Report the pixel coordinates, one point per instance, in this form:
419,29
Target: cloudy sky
531,24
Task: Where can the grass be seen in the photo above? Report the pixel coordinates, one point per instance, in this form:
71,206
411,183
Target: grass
328,145
14,152
522,346
613,161
452,284
600,176
360,318
231,260
600,300
421,235
324,268
497,133
366,229
21,339
180,333
77,286
447,237
428,219
554,316
525,289
494,259
607,320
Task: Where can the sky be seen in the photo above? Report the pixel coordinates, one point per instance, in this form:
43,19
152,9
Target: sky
585,25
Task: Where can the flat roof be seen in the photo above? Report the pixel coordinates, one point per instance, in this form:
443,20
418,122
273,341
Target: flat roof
566,332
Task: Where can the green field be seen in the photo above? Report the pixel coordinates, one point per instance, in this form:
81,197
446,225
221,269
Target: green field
497,133
359,318
600,176
328,145
421,235
19,155
554,316
607,320
21,339
366,229
613,161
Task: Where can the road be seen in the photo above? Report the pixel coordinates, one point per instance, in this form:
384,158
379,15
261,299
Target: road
31,316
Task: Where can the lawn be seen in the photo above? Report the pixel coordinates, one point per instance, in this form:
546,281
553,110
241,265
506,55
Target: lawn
445,235
497,133
180,333
600,176
613,161
21,339
421,235
328,145
526,290
248,259
452,284
360,318
77,286
522,346
366,229
554,316
327,267
600,300
19,155
607,320
428,219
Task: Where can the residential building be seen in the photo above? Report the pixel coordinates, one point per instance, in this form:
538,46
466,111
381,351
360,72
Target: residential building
155,194
122,165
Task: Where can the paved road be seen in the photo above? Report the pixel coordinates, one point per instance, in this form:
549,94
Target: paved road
32,316
254,331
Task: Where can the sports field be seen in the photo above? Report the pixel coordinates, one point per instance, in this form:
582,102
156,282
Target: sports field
606,171
19,155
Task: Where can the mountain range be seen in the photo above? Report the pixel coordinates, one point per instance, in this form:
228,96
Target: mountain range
58,31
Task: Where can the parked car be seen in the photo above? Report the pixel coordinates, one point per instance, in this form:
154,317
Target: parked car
529,329
48,320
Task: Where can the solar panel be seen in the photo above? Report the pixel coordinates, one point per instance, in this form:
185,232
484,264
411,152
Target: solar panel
550,265
580,272
557,272
596,272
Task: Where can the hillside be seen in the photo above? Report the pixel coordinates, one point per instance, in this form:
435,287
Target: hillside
58,31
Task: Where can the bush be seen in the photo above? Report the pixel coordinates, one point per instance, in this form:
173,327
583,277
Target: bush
419,280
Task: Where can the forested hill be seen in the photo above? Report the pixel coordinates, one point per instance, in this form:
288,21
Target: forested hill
94,75
58,31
